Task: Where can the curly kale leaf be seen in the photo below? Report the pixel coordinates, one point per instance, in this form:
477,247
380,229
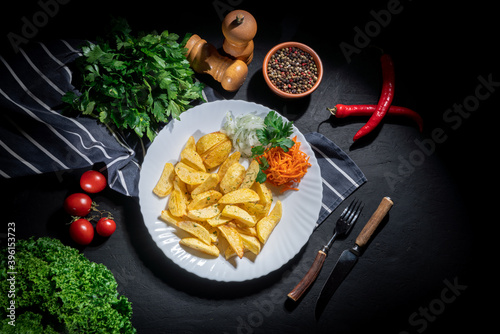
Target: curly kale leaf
58,289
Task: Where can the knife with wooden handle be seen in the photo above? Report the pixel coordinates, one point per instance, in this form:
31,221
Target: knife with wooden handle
349,257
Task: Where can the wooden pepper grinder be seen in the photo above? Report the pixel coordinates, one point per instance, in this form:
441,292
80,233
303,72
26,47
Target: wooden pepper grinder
239,28
204,58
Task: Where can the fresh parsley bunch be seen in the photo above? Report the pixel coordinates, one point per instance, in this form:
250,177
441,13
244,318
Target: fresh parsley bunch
135,83
275,133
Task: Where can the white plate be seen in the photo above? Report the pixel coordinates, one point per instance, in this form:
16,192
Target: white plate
300,208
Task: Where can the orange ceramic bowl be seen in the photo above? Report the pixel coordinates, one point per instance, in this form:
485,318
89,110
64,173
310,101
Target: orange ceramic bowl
304,48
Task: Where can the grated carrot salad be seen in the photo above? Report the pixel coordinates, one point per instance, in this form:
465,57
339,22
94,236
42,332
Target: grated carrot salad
286,168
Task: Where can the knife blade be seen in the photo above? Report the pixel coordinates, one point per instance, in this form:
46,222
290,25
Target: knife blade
349,257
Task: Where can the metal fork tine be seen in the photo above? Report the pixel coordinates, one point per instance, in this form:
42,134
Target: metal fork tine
356,213
345,212
351,211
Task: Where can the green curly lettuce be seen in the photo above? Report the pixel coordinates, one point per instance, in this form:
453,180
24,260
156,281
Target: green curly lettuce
57,289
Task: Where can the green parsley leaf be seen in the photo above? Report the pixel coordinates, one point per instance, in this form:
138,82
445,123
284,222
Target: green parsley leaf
275,133
137,83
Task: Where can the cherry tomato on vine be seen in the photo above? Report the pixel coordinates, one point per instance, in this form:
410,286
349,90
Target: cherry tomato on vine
78,204
92,181
105,227
81,231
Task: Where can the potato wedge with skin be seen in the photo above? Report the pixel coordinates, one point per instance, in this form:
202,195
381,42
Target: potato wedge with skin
239,214
242,195
199,245
196,229
192,159
233,178
189,175
204,199
233,238
177,204
267,224
210,183
250,175
216,155
165,185
204,213
209,140
232,159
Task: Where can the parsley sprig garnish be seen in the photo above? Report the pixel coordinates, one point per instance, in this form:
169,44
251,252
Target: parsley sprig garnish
275,133
135,83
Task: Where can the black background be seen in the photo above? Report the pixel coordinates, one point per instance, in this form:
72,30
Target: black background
440,230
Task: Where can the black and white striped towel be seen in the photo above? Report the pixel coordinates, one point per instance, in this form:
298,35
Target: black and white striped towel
339,174
36,138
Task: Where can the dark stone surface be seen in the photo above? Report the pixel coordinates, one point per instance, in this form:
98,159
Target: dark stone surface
428,270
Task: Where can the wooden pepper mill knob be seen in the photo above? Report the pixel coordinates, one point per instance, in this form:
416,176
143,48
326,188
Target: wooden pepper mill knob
204,58
239,28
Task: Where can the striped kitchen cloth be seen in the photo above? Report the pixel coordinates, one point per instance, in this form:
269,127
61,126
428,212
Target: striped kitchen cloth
339,174
36,138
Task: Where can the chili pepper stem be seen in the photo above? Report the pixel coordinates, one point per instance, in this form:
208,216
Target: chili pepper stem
333,110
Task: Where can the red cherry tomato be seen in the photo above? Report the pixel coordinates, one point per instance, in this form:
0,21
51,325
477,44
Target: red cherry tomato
105,227
81,231
92,181
78,204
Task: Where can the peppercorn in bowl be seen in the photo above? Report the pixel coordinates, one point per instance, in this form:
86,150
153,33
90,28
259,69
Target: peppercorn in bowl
292,70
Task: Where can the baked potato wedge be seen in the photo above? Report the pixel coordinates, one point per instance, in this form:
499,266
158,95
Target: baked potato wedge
209,184
257,210
191,143
232,178
168,217
204,199
204,213
165,183
251,174
233,238
192,159
216,155
232,211
209,140
242,195
196,229
199,245
177,204
219,220
267,224
233,158
251,243
265,194
190,175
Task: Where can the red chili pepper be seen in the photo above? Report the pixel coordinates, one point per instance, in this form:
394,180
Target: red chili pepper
385,98
342,110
